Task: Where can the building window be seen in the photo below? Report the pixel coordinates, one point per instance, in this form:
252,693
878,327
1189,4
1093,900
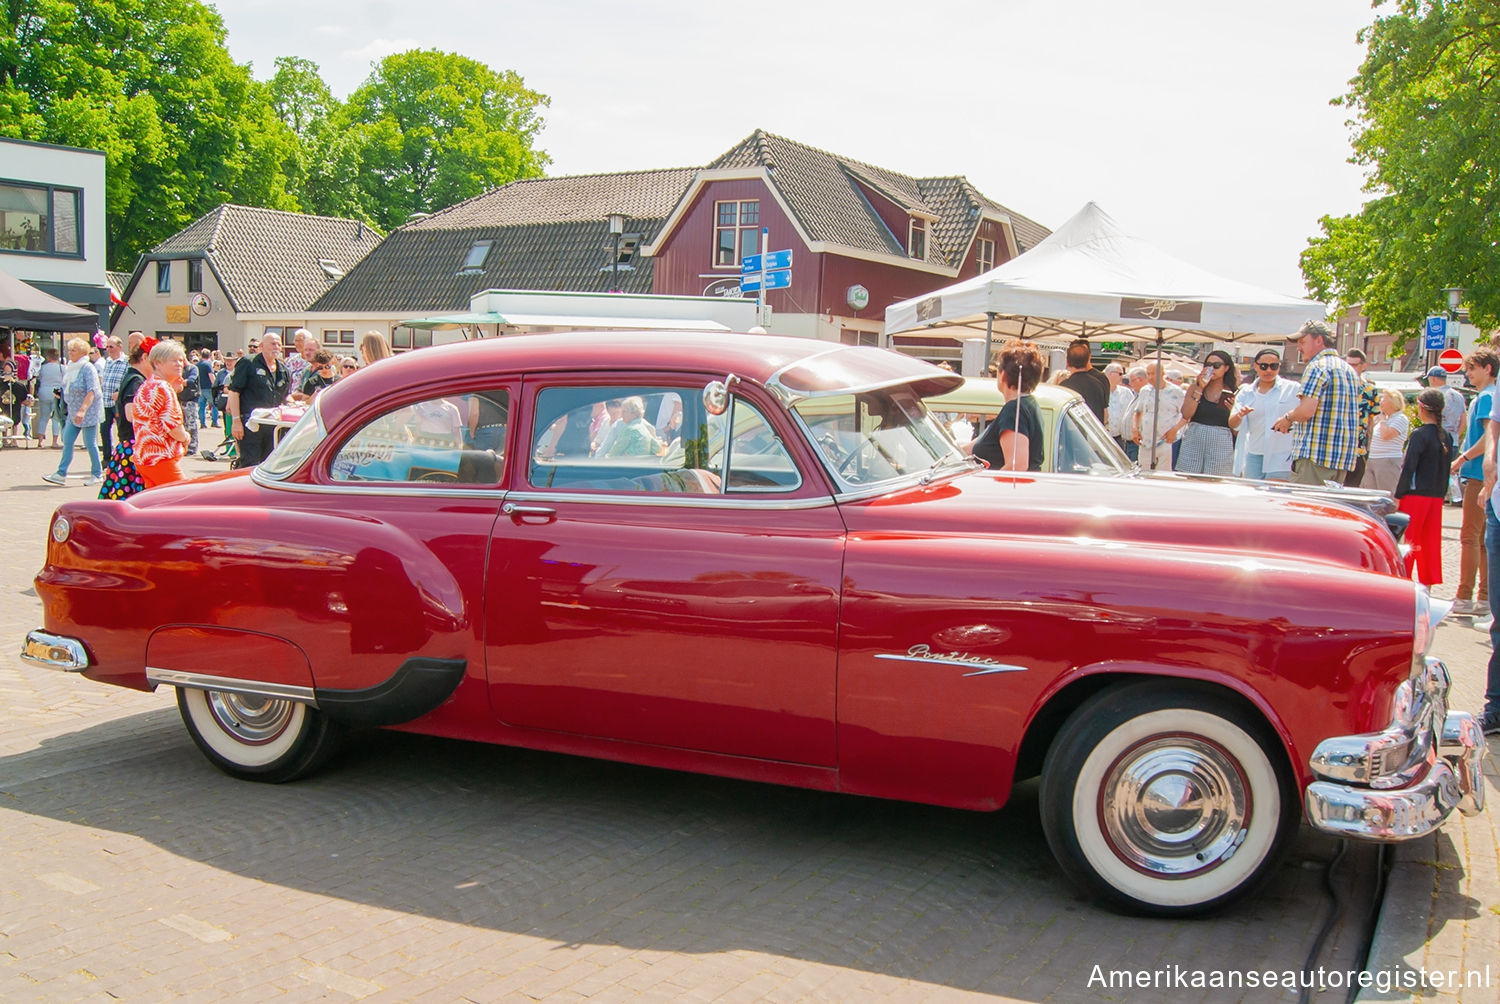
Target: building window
736,231
40,219
984,252
339,336
474,262
164,277
916,239
195,275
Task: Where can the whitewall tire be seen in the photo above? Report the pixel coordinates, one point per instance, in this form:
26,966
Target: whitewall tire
1164,799
257,738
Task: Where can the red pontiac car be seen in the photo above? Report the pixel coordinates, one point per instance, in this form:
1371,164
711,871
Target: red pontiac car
762,558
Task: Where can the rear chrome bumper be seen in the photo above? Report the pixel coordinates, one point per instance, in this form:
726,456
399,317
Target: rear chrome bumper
1404,781
54,651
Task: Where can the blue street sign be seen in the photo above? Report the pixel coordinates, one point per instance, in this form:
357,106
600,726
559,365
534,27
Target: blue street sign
774,260
779,279
1437,334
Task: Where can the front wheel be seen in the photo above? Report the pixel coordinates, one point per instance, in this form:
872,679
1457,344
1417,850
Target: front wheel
257,738
1163,799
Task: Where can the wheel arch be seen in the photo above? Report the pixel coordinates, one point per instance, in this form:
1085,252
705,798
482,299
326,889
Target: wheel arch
1069,694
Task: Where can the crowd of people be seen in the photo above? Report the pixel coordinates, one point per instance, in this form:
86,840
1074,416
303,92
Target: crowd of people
135,405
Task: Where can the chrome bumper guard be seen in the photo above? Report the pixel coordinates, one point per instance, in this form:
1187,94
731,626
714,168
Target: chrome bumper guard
1404,781
54,651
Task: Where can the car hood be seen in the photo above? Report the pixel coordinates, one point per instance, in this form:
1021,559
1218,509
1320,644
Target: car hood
1232,519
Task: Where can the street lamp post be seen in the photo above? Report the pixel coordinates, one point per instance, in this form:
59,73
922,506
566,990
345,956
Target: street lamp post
616,228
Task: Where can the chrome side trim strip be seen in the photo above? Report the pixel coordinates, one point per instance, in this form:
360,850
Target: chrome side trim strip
252,688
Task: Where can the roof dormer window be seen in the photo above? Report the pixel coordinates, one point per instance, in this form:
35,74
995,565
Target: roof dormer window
474,263
916,239
331,269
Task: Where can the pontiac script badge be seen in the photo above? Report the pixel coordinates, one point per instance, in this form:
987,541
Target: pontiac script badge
983,664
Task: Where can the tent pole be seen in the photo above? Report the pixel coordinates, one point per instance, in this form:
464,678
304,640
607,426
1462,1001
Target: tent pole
989,334
1157,385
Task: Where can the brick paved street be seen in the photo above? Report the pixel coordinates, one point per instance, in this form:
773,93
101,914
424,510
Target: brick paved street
422,869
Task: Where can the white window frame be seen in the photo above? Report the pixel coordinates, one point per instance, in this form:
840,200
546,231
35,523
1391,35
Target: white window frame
915,226
986,261
739,226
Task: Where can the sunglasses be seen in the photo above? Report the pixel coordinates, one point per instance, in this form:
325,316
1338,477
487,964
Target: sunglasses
1268,366
1216,366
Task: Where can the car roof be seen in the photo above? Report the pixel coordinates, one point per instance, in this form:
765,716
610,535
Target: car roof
793,367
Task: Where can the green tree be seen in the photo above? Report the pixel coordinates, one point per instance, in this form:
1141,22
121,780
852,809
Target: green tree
182,126
436,128
1426,107
299,95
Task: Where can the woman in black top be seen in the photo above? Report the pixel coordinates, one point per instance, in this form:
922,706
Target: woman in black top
1422,487
1017,431
1207,445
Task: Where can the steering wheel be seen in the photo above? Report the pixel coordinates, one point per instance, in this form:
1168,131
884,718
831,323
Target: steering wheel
842,464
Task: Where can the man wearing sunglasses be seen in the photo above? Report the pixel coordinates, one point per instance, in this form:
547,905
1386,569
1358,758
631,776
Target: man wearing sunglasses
1326,445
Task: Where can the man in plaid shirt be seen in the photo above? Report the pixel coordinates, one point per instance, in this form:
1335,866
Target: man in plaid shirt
1327,417
115,365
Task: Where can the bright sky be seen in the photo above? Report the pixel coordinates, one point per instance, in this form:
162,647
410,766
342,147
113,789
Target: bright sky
1203,127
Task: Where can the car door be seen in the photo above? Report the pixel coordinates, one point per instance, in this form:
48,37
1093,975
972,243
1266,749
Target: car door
639,589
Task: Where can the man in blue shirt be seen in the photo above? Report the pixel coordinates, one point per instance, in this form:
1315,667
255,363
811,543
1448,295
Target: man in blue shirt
1482,367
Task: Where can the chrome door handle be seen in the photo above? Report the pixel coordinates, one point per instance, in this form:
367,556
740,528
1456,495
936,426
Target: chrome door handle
524,511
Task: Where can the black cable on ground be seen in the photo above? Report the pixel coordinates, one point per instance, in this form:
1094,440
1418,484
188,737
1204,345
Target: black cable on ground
1382,876
1335,911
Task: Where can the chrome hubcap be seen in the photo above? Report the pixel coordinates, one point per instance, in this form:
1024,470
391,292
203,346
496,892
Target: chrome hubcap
252,720
1174,806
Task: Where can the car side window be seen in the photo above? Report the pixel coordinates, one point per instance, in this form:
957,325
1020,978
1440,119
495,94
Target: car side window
758,460
456,439
651,439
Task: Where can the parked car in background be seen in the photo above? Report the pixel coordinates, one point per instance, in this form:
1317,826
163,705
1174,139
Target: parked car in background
1074,440
779,567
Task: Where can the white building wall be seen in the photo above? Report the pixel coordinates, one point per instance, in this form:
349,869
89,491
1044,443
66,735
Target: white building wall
69,167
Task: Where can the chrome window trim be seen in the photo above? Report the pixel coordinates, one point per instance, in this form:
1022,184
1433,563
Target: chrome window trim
268,480
252,688
390,489
732,501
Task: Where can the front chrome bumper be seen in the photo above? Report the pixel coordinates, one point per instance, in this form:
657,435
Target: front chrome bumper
54,651
1404,781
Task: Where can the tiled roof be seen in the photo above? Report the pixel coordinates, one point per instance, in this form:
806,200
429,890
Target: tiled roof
821,189
268,260
117,281
546,234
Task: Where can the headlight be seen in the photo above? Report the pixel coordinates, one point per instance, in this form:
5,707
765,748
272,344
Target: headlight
1430,613
62,527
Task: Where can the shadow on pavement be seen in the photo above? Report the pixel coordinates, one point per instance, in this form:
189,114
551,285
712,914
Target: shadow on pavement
587,852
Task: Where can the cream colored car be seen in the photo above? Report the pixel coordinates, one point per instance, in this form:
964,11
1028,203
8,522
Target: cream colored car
1076,442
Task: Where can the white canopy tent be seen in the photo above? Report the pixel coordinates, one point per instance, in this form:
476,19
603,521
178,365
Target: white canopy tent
1091,279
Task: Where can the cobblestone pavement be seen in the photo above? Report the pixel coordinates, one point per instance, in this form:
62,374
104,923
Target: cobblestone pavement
1442,909
423,869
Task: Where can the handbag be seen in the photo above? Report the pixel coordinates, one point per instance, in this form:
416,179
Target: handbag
121,479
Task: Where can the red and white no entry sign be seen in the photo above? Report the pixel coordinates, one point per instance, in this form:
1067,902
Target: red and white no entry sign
1451,360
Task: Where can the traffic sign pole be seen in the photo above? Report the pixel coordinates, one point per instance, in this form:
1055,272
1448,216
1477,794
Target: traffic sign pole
765,252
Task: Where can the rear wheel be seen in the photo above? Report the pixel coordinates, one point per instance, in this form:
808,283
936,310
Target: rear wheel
257,738
1163,799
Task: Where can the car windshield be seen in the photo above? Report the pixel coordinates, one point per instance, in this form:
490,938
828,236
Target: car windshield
295,446
878,436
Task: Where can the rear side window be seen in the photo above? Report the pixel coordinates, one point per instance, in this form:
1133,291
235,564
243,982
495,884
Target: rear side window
457,439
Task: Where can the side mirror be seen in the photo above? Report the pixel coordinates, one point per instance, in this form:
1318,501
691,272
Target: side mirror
716,395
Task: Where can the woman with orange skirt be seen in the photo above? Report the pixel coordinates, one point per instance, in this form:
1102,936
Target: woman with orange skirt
160,436
1422,487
